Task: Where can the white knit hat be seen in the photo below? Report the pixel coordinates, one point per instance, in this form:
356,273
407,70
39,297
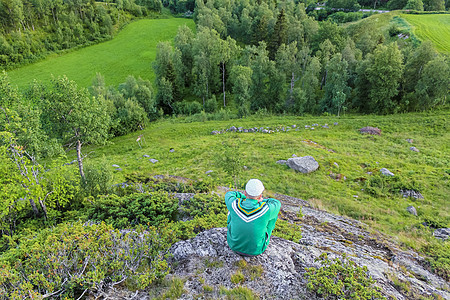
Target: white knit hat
254,187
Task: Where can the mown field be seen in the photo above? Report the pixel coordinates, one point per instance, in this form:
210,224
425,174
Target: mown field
341,149
435,28
131,52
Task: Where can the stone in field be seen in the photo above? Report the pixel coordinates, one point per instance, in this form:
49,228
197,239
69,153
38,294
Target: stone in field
370,130
442,233
412,210
305,164
281,162
152,160
414,149
386,172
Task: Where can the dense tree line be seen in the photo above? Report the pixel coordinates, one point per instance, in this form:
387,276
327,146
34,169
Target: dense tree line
274,56
32,28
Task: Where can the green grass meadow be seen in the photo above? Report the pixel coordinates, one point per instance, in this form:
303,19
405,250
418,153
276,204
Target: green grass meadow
434,27
131,52
197,151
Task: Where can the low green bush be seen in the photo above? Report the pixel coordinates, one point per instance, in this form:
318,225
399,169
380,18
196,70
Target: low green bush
341,279
201,205
70,259
138,208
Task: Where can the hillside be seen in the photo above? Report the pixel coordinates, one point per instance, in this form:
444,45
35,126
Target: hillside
131,52
348,181
431,27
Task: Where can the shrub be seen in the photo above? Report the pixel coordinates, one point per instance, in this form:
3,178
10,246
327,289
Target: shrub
343,279
204,204
98,179
71,259
139,208
439,257
211,105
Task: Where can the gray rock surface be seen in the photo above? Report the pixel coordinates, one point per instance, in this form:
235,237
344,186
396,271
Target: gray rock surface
386,172
305,164
442,233
412,210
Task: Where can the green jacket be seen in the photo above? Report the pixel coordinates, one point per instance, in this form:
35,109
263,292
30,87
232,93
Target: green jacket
250,223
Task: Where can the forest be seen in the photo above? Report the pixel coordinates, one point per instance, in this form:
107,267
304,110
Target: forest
246,59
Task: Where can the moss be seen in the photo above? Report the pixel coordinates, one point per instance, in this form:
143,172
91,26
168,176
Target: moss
237,277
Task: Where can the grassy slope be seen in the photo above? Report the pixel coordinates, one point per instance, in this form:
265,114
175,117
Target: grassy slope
196,151
432,27
129,53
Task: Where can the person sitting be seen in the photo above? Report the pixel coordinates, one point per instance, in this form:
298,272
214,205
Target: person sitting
251,219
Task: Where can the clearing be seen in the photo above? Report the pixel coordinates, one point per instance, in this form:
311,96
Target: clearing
131,52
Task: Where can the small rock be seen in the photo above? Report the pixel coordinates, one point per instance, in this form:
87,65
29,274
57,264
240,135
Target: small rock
215,132
412,210
158,176
240,129
369,173
312,128
146,155
412,194
336,123
119,169
245,167
442,233
370,130
293,155
414,149
294,126
281,162
209,171
265,131
410,141
386,172
306,126
336,164
325,126
152,160
315,124
232,128
116,166
171,150
355,196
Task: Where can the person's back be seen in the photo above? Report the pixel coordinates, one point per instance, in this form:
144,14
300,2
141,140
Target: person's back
251,219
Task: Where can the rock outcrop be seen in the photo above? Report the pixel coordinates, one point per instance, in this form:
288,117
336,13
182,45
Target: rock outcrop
284,263
206,264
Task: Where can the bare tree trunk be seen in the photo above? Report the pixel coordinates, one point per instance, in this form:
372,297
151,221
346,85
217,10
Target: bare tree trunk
80,161
44,208
34,207
223,82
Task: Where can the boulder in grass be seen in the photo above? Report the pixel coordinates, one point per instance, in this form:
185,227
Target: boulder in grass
305,164
412,210
386,172
414,149
115,166
410,141
153,161
370,130
442,233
